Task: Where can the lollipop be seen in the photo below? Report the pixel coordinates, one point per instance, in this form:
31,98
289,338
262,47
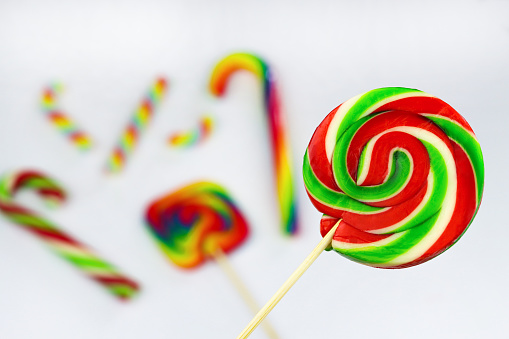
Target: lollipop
197,223
399,177
63,244
401,169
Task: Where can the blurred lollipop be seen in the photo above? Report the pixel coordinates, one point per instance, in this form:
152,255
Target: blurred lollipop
197,223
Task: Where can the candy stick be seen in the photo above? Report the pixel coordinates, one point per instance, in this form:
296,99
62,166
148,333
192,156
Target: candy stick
194,136
59,241
60,120
276,124
230,272
139,122
197,223
269,306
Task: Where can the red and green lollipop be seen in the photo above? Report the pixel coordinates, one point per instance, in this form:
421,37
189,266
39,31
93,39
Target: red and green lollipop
398,175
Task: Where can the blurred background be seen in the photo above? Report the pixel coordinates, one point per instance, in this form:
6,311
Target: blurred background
107,53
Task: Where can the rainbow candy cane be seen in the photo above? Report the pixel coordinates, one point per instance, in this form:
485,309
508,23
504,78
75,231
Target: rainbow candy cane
61,121
63,244
277,127
139,122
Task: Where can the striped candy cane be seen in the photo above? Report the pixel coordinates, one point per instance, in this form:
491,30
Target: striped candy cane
136,126
62,122
60,242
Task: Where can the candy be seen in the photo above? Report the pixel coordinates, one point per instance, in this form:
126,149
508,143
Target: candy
63,244
62,122
191,223
276,124
139,122
194,136
401,169
399,177
197,223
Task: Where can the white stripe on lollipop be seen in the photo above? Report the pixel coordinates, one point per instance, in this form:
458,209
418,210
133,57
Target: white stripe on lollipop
332,131
418,209
348,245
448,205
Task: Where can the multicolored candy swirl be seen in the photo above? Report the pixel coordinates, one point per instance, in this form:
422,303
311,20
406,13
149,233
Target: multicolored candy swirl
402,170
281,151
63,244
192,222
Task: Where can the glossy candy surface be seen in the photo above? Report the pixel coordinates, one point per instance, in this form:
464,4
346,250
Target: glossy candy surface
192,222
404,172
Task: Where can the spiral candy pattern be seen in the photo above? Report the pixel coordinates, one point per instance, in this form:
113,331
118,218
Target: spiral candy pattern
192,222
401,170
60,242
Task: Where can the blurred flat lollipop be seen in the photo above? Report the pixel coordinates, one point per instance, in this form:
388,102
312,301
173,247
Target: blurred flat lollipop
201,222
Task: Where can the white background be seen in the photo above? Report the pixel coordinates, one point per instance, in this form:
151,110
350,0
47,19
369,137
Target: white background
107,53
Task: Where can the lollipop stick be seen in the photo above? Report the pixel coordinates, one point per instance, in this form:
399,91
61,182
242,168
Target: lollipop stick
230,272
322,245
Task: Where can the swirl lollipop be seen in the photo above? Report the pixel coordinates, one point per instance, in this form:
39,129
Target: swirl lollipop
197,223
399,177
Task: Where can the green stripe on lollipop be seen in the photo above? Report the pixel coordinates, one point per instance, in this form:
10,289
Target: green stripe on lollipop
365,103
329,197
401,170
417,227
469,143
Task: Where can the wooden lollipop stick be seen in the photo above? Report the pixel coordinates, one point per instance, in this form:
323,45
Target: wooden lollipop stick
230,272
322,245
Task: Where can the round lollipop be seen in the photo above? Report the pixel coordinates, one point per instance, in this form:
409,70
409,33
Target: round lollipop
200,222
399,177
